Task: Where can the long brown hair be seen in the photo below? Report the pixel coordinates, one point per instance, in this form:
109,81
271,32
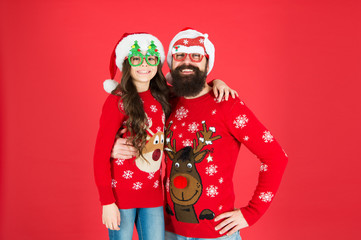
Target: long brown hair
133,105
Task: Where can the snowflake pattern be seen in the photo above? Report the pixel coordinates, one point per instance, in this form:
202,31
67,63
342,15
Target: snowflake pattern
114,183
121,105
246,138
266,196
185,41
267,137
137,185
127,174
212,191
241,102
159,129
193,127
180,135
220,207
181,113
220,180
156,184
209,158
263,167
211,170
241,121
119,161
183,124
174,127
153,108
214,112
151,175
150,121
201,40
187,143
167,184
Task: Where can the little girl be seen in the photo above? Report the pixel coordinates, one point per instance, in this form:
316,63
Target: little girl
130,190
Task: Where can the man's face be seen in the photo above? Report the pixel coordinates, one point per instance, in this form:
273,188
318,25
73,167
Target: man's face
189,77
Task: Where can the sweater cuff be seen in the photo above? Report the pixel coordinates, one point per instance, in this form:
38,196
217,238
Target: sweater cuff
106,195
251,215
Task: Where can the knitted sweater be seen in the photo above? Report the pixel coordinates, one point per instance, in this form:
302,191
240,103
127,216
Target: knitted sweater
131,183
203,139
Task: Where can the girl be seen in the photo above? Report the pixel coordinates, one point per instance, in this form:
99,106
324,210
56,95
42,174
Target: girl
130,190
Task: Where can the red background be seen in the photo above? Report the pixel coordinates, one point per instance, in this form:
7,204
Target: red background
295,63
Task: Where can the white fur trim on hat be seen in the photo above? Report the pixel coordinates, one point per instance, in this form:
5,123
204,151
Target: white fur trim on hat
109,85
190,33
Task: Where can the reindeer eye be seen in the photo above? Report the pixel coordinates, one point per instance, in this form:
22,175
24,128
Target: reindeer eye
189,165
176,165
156,140
162,139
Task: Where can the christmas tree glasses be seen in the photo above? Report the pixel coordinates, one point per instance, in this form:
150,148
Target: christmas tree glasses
136,58
195,57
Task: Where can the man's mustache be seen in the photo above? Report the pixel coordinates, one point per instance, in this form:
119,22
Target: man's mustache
185,66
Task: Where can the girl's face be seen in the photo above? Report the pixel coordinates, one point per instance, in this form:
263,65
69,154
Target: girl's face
142,74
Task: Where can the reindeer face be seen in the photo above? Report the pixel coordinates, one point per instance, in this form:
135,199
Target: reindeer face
153,152
185,183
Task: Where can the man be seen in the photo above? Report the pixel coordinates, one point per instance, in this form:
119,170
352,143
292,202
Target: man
203,138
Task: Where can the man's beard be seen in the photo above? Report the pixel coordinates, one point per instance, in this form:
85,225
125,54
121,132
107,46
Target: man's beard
188,85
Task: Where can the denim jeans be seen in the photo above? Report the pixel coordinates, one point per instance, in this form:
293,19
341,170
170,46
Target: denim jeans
148,221
173,236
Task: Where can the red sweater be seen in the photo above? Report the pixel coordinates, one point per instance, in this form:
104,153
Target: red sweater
132,183
203,139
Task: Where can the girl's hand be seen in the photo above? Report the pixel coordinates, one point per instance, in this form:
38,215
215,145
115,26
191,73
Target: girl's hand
221,87
233,221
111,216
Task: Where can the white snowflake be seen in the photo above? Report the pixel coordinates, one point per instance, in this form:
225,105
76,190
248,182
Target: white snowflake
114,183
121,105
167,184
220,207
263,167
127,174
211,170
201,40
267,137
214,112
153,108
209,158
174,127
120,161
220,180
150,121
212,191
180,135
187,143
193,127
156,184
181,113
159,129
183,124
246,138
241,121
137,185
216,100
151,175
185,41
241,102
266,196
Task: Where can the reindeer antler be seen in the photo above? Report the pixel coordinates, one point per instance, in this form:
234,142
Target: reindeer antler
206,139
168,145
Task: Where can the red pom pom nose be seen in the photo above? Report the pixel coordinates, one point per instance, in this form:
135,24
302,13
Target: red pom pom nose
180,182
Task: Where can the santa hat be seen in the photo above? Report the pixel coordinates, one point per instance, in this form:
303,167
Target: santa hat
191,41
122,50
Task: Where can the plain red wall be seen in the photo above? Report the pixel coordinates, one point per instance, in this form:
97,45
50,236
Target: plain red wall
295,63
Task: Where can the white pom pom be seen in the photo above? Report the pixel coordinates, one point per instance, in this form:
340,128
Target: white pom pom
169,78
109,85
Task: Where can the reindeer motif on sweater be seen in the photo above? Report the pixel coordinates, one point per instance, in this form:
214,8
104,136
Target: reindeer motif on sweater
185,182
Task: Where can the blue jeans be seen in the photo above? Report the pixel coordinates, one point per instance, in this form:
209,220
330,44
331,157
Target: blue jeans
148,221
173,236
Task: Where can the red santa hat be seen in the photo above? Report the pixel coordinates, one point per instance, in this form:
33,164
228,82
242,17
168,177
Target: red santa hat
122,49
192,41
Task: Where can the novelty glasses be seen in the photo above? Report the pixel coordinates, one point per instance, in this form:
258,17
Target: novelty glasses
195,57
136,61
